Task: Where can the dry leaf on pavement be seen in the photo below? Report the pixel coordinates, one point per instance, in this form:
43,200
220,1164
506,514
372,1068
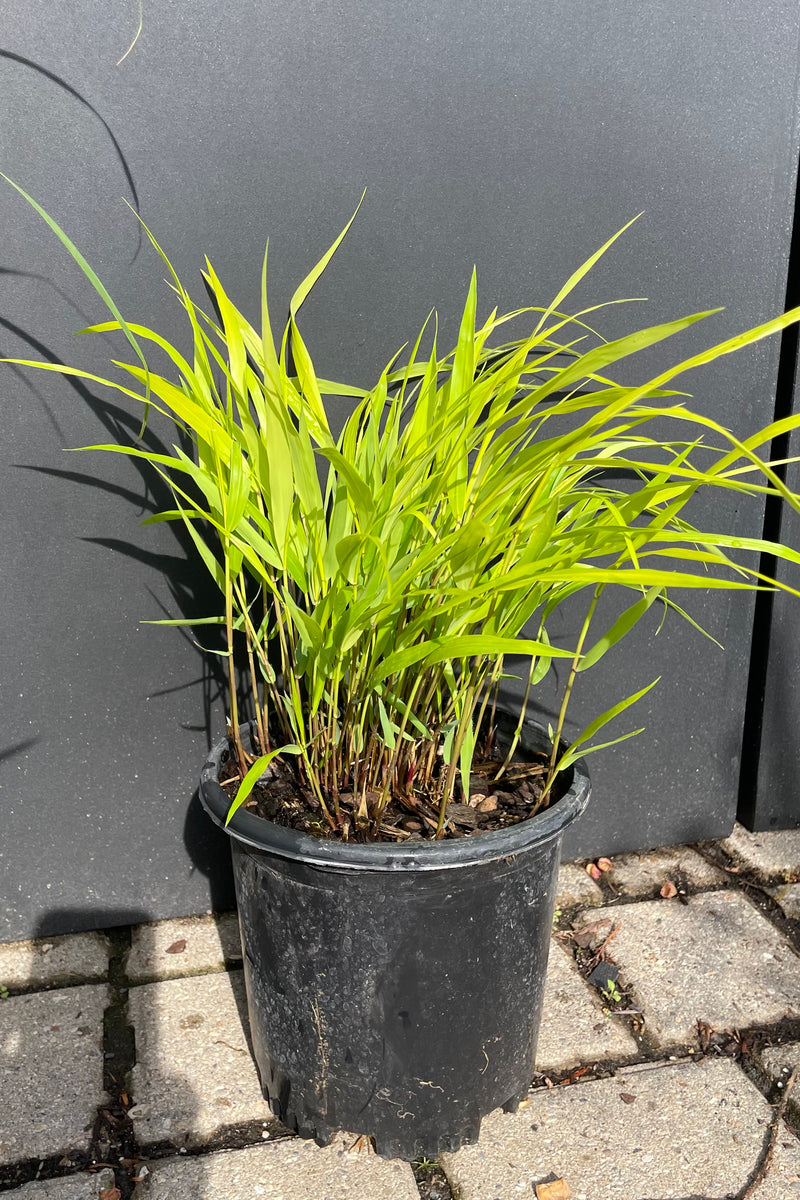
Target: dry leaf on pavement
557,1190
590,935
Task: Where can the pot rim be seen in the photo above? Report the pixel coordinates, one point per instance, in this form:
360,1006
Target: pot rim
259,834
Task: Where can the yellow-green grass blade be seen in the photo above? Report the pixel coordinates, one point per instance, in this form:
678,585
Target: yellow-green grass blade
456,648
148,335
579,747
231,322
268,348
187,621
202,366
212,565
583,270
622,626
94,280
304,288
76,373
359,491
733,541
313,408
740,449
200,419
615,351
254,774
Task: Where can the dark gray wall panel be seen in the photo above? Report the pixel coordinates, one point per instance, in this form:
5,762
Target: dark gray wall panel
514,136
776,801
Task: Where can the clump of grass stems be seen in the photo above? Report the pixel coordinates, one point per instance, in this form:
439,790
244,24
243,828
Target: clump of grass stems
375,580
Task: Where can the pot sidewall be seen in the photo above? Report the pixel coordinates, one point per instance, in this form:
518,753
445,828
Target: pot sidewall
390,999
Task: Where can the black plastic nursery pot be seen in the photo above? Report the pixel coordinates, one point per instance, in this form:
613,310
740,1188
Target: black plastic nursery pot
395,990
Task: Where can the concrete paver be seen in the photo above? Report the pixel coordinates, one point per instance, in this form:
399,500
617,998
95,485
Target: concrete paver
194,1073
290,1169
74,1187
788,896
47,962
575,888
682,1129
575,1030
643,875
772,855
190,946
51,1064
714,958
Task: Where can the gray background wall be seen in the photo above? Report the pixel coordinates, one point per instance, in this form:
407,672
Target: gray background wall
513,136
771,784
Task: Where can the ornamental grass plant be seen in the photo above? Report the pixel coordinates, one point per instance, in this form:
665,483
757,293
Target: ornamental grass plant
372,582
